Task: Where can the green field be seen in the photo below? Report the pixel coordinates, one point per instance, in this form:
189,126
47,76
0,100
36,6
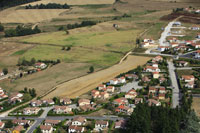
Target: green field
122,41
76,54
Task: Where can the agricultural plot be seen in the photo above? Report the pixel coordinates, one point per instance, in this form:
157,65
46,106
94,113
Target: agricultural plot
121,41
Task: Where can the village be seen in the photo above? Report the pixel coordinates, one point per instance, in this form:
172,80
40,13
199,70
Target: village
171,74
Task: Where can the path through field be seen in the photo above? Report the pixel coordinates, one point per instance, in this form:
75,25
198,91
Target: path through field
79,86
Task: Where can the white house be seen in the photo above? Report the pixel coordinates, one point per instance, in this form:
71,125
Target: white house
122,80
31,110
78,121
131,94
62,109
197,54
2,124
101,125
190,84
46,128
110,89
76,129
188,78
114,81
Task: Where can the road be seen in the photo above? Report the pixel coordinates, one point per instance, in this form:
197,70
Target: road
186,68
175,90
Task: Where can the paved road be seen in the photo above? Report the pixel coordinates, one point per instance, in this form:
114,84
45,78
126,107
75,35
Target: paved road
130,86
175,90
186,68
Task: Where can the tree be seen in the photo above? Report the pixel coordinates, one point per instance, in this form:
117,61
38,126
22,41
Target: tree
9,124
91,69
33,61
138,41
68,48
1,27
67,32
5,71
63,48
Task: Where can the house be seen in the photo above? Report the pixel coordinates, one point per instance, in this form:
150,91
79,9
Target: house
114,81
122,80
95,94
15,97
46,128
62,109
153,102
157,59
131,76
152,90
145,79
177,23
120,101
20,122
163,48
156,75
124,109
174,45
40,65
18,129
110,89
65,101
144,44
101,125
182,63
151,69
101,86
162,90
120,124
2,124
131,94
197,11
51,122
78,121
162,79
196,45
195,28
197,54
161,96
31,110
155,65
86,107
173,39
198,36
188,78
104,95
138,100
48,102
82,102
190,85
76,129
36,103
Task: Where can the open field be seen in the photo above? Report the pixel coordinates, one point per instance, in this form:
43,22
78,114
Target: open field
45,80
121,41
76,54
196,105
79,86
74,2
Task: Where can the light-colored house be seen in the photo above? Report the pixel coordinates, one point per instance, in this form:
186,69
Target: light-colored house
163,48
121,124
152,89
51,122
144,44
161,96
36,103
48,102
31,110
101,125
197,54
196,45
153,102
15,97
82,102
114,81
46,128
76,129
20,122
101,86
124,109
104,95
122,80
65,101
131,94
62,109
190,85
2,124
110,89
40,65
78,121
138,100
188,78
174,45
198,36
157,59
162,90
131,76
156,75
120,101
151,69
182,63
95,94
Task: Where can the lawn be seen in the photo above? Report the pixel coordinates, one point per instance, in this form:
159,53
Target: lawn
76,54
121,41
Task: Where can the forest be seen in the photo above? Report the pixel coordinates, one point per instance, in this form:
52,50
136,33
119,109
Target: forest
11,3
48,6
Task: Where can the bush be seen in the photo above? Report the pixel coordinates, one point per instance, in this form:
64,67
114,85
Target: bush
1,27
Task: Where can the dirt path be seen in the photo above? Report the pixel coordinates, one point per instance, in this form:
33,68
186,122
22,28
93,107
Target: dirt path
79,86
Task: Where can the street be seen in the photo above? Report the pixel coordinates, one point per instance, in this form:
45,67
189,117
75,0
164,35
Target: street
175,89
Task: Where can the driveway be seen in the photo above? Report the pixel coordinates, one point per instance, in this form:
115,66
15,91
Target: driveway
130,86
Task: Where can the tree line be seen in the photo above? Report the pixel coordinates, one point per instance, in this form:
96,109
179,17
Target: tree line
11,3
48,6
82,24
21,31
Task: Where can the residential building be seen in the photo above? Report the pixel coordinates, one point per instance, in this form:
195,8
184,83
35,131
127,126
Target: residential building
131,94
101,125
46,128
78,121
62,109
188,78
51,122
82,102
65,101
31,110
76,129
36,103
20,122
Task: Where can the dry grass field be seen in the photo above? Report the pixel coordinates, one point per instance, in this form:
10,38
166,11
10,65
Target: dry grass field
79,86
196,105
